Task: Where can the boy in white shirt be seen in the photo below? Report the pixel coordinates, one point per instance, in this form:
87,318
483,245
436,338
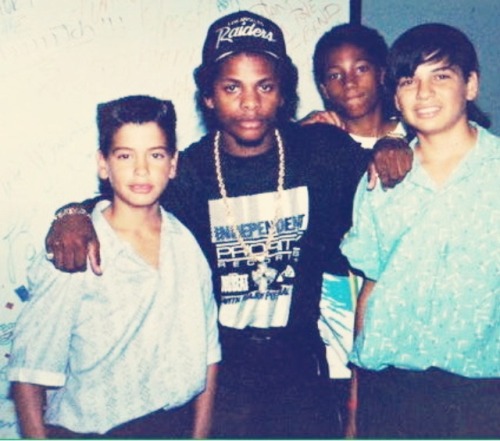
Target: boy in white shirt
126,351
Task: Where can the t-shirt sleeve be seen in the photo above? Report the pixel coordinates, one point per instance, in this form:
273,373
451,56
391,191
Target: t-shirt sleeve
42,335
360,245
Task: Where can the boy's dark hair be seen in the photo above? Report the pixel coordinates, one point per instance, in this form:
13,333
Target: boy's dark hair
363,37
434,42
136,109
367,39
206,75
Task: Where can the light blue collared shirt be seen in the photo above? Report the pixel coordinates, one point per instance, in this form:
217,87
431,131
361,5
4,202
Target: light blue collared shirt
435,253
124,344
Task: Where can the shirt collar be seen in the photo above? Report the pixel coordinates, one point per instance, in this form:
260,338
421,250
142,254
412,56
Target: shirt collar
485,149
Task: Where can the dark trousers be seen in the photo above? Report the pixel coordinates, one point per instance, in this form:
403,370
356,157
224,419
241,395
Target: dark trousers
396,403
339,392
267,388
162,424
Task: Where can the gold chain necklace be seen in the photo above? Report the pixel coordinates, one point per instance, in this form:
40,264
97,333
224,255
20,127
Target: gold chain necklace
262,256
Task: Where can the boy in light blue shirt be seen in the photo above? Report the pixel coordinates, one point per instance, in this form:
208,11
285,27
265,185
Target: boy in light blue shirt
428,319
127,351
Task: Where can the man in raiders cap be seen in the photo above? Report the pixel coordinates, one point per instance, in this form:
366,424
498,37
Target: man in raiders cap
268,201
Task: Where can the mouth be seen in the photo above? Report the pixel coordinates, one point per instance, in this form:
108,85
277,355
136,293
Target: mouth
141,188
250,124
357,97
427,111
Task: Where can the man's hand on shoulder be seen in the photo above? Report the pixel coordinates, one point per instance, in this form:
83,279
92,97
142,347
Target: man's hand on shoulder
70,240
392,160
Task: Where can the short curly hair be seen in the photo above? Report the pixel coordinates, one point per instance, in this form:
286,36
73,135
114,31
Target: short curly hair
363,37
368,40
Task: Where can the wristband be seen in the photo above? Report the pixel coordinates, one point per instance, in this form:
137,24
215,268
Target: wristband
70,211
394,135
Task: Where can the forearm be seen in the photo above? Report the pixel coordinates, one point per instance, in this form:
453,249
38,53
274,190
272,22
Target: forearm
204,405
30,400
364,294
352,405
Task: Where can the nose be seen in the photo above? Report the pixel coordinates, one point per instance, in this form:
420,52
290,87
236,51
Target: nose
250,99
141,167
350,79
424,89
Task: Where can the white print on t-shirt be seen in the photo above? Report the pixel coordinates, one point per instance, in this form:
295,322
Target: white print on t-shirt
253,294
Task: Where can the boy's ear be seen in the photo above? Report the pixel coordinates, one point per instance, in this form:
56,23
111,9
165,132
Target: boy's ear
396,103
472,86
102,166
173,166
209,102
382,76
323,92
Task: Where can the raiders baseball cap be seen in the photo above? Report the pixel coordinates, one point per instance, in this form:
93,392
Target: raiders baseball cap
243,31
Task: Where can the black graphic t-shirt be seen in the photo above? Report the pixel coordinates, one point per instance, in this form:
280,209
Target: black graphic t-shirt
322,168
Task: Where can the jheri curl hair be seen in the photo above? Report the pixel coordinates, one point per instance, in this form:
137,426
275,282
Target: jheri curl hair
429,43
135,109
206,75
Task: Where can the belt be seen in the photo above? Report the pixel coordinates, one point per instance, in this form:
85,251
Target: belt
254,335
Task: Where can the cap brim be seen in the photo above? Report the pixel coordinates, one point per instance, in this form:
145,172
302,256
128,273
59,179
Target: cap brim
227,54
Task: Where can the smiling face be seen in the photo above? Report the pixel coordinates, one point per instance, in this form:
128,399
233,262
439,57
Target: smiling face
246,99
351,83
434,99
138,165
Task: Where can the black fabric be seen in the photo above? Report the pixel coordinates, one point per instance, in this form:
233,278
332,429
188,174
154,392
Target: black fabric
397,403
258,376
162,424
269,389
243,31
321,157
